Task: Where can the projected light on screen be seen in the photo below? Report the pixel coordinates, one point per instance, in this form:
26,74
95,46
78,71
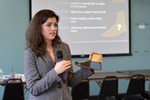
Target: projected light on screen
91,25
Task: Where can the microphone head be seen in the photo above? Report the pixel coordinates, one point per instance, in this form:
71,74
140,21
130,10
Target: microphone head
59,55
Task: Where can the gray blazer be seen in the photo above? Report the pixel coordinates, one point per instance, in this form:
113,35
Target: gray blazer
43,82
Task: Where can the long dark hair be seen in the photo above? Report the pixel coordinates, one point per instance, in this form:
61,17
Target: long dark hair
34,37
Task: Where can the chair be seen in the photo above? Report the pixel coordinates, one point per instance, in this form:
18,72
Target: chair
109,88
136,88
14,90
80,91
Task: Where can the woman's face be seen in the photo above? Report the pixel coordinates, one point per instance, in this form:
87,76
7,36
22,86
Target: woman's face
49,29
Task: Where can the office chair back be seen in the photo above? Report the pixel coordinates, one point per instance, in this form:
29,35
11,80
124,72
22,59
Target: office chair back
80,91
109,87
14,90
136,85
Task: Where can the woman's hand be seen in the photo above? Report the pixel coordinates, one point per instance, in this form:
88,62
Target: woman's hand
61,66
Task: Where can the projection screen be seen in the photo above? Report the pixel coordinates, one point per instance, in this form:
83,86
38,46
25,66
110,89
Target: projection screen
101,26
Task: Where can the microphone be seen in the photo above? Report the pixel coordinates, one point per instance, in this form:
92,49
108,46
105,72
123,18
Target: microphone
60,57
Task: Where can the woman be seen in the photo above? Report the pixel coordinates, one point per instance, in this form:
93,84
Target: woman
48,73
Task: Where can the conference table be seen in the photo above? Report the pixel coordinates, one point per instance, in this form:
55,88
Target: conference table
145,72
122,74
6,77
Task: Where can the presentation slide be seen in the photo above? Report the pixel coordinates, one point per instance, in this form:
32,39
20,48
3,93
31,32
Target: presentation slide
87,26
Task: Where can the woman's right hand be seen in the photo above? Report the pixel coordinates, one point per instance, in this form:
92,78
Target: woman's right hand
62,66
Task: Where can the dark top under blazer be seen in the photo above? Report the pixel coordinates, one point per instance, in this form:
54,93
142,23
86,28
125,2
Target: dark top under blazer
43,82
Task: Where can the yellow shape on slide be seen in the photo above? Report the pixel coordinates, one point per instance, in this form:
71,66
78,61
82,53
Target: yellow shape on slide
118,27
